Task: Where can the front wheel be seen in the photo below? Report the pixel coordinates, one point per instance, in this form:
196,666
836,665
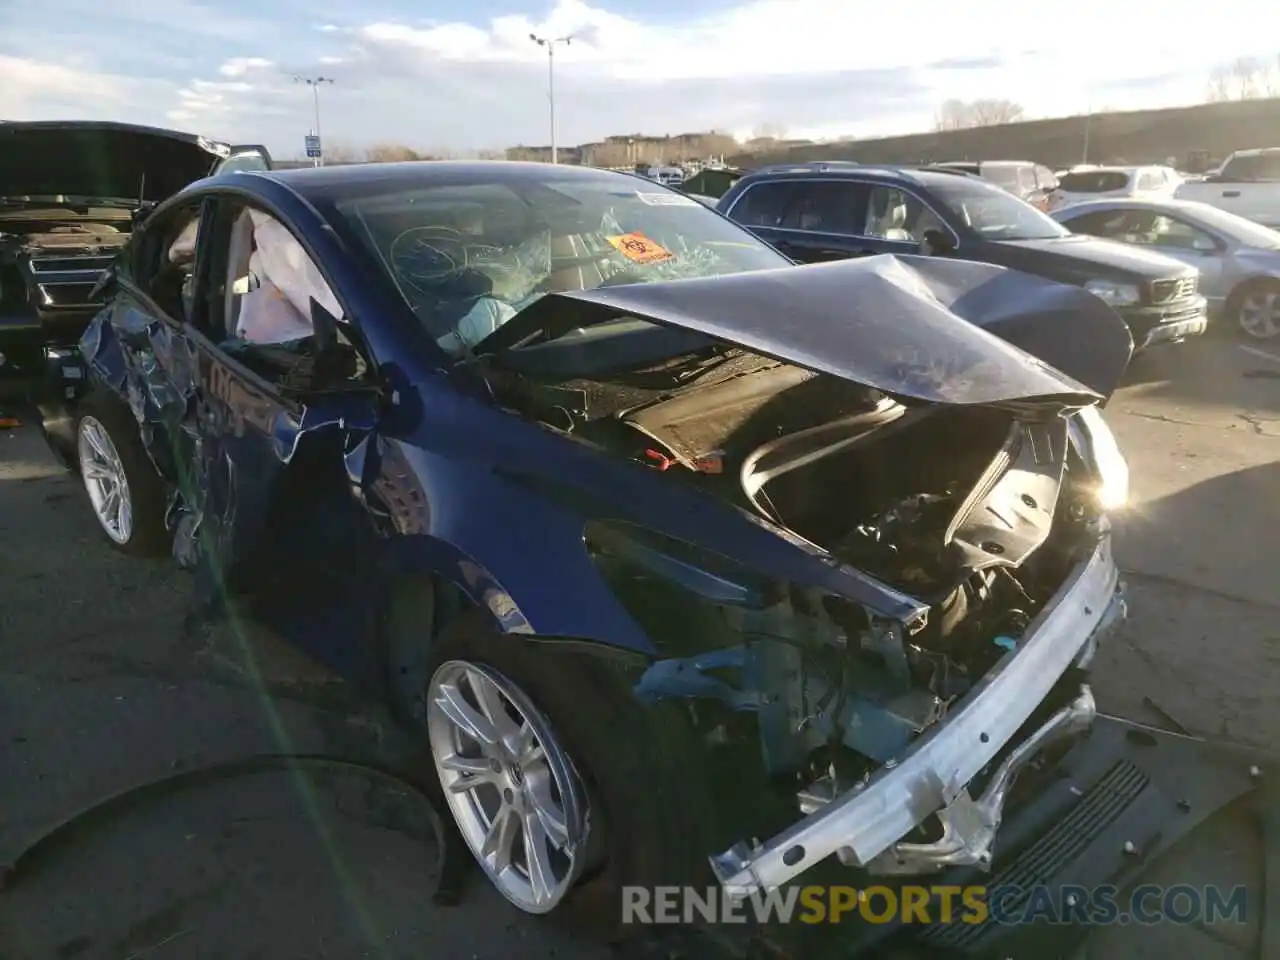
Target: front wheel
563,786
1257,309
125,492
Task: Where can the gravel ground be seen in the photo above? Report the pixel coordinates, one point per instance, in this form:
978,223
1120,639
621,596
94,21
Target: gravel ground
101,687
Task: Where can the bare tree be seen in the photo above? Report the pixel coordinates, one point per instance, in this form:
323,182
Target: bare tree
390,153
338,152
1219,88
962,114
1246,78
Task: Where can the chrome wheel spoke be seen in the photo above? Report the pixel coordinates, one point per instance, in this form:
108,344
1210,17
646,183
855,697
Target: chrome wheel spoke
465,717
542,876
472,772
489,697
528,750
547,813
500,839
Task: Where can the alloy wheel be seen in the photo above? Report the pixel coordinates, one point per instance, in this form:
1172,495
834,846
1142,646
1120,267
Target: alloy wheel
510,785
105,480
1260,314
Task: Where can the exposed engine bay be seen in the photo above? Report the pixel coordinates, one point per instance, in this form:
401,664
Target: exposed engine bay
50,261
975,511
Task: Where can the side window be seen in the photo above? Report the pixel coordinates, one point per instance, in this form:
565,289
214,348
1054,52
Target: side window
164,267
897,215
240,162
762,204
1004,177
265,290
1026,181
1045,179
1150,180
1172,233
824,206
1106,223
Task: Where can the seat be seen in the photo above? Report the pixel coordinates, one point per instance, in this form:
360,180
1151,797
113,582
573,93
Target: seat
895,222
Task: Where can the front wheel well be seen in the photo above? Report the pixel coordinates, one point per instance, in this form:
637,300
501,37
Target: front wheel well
420,606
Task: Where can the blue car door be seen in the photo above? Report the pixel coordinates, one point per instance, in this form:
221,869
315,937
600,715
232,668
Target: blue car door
281,395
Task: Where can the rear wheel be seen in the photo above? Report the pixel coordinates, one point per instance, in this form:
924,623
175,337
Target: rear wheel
1257,309
125,492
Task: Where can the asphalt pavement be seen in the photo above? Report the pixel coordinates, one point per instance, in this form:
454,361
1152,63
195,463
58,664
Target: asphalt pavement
104,685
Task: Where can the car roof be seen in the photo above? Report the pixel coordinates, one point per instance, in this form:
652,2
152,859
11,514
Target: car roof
333,182
885,173
1116,203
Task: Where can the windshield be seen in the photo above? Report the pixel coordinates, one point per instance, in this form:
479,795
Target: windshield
1253,167
1243,231
1094,181
468,257
995,214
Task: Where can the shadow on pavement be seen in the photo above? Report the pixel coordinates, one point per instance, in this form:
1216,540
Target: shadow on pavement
1206,371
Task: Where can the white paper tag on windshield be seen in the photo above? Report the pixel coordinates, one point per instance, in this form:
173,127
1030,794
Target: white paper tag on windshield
666,199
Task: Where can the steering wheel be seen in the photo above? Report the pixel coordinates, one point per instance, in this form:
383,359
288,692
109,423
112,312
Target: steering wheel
422,257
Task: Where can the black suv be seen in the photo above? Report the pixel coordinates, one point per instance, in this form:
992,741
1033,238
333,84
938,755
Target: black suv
831,211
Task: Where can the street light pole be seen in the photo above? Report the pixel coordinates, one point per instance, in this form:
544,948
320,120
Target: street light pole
314,84
550,44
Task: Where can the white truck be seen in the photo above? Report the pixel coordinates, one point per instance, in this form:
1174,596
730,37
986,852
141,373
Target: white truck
1247,184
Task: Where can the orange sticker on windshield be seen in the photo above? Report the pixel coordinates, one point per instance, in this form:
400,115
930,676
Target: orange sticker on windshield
638,247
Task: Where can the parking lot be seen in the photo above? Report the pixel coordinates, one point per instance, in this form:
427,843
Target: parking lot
103,685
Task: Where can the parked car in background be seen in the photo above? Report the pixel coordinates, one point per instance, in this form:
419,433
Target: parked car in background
660,543
711,181
69,194
667,176
1033,182
817,212
1247,184
1238,259
1097,183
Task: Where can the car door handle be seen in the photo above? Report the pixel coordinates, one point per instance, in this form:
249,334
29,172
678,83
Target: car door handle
1231,193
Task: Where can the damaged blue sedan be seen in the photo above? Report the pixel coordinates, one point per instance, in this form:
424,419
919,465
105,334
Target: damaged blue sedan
684,561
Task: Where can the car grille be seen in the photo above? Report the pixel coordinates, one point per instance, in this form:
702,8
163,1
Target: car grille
93,263
1167,291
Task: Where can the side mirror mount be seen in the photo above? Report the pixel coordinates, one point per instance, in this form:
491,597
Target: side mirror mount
935,243
139,215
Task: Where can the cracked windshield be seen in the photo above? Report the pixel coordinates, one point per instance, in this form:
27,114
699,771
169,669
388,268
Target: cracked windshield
632,481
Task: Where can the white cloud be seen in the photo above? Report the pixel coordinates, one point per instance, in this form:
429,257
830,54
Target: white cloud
239,66
32,90
817,67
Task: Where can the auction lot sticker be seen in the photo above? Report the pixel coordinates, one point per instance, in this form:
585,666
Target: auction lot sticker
639,248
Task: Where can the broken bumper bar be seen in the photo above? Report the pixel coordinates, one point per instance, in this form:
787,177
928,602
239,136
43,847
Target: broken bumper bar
860,825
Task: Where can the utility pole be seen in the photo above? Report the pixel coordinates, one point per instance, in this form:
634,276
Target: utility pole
550,44
314,84
1088,121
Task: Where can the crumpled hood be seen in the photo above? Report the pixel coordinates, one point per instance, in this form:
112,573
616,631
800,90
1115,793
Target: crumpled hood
930,329
114,160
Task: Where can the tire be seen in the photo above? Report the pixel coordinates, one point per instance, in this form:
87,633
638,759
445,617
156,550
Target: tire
1248,306
106,432
647,805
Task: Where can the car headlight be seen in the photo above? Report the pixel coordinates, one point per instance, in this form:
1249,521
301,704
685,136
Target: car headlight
1112,468
1115,294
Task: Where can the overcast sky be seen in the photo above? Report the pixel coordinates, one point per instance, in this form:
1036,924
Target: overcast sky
463,74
